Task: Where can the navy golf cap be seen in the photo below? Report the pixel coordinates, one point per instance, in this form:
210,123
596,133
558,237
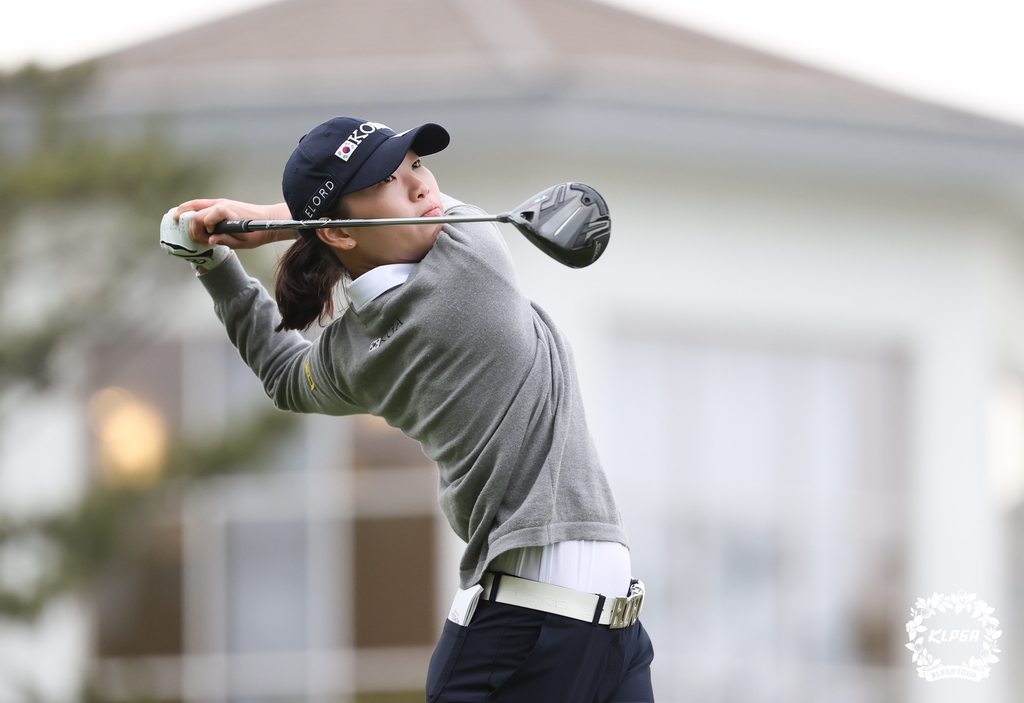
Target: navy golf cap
346,154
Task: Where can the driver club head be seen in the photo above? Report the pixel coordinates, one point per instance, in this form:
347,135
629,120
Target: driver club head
569,222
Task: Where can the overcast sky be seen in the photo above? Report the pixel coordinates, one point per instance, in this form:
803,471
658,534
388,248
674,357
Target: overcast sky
964,53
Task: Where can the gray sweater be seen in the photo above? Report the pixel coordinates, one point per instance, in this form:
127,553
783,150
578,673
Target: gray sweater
461,361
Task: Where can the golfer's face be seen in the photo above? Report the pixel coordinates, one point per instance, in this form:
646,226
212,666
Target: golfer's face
410,191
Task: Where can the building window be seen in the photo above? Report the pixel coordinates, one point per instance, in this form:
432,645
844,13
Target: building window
762,486
394,601
394,542
138,604
266,586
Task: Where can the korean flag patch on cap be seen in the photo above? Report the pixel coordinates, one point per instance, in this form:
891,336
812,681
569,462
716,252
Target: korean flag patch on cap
345,150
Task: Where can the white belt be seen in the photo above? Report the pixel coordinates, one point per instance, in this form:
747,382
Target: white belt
616,613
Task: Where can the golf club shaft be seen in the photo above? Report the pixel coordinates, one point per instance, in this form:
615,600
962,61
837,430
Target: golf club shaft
234,226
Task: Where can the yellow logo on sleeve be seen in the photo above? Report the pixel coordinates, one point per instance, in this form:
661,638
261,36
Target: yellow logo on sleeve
309,377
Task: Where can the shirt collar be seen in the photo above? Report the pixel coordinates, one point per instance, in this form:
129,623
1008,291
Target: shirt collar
376,281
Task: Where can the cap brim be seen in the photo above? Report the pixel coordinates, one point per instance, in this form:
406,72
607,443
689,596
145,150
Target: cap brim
424,140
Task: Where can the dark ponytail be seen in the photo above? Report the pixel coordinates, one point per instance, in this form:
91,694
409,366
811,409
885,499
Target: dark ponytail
306,277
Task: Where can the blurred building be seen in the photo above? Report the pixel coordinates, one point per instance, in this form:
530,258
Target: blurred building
802,355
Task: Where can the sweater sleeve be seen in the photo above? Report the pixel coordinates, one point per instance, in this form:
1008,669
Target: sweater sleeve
297,374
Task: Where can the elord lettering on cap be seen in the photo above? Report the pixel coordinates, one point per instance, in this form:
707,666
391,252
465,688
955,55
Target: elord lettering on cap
318,199
356,138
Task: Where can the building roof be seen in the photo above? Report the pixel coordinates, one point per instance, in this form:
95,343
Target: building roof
320,52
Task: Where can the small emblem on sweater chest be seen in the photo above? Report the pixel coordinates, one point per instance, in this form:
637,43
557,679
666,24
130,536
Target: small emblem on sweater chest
375,344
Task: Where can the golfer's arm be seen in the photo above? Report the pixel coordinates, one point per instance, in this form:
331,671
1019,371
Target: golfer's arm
280,212
251,240
295,372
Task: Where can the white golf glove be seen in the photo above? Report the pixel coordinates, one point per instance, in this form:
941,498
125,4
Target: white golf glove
175,241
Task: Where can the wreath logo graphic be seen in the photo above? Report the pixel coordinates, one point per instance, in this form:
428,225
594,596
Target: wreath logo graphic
978,666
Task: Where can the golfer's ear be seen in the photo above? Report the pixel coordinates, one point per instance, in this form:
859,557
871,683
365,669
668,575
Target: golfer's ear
336,238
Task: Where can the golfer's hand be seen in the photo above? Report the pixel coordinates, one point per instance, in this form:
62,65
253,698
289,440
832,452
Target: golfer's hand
208,212
175,240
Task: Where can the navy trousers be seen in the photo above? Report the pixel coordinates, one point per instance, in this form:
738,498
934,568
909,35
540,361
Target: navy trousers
510,654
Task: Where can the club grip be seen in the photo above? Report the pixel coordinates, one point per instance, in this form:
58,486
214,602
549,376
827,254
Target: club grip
231,226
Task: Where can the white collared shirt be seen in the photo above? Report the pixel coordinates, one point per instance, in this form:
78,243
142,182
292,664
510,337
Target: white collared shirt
377,281
588,566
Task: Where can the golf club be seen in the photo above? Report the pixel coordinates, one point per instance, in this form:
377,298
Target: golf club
569,222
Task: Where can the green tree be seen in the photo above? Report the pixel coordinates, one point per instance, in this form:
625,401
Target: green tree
79,264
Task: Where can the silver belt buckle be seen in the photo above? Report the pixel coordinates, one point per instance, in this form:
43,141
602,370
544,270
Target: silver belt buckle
626,611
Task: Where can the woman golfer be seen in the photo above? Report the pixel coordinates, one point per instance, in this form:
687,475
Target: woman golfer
441,343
